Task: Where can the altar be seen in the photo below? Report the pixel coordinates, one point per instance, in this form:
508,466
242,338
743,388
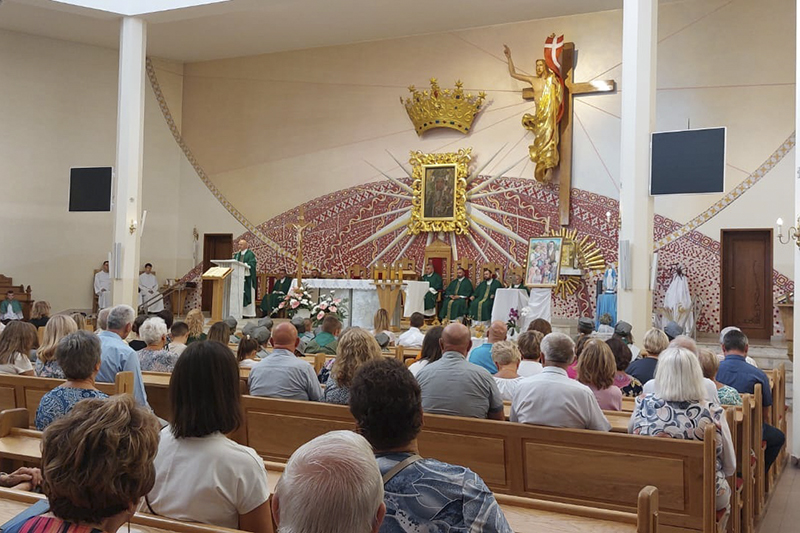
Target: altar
362,298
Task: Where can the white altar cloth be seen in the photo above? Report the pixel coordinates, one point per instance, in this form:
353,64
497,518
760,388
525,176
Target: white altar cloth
415,292
539,306
362,298
507,299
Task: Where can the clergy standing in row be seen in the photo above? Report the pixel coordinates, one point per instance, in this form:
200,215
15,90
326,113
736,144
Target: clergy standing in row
148,290
246,256
270,302
454,305
102,287
483,298
435,282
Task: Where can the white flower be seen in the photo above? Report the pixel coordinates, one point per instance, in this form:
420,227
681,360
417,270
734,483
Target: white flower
525,311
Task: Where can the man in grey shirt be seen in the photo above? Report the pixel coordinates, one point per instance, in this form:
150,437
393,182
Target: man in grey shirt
281,374
453,386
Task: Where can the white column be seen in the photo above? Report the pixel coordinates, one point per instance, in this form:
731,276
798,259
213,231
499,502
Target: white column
130,145
795,438
639,33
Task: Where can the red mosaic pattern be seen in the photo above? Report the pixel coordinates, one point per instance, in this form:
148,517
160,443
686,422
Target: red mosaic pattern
345,218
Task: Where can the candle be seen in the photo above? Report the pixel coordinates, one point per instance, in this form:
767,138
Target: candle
779,222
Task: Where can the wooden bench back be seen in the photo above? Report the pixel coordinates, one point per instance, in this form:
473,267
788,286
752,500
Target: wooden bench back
595,469
27,391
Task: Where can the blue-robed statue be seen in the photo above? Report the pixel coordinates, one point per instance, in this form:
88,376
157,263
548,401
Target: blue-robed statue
607,301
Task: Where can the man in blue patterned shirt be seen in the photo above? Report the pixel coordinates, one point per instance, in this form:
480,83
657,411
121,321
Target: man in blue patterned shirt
420,494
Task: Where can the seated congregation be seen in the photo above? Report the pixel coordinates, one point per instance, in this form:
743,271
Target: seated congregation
195,468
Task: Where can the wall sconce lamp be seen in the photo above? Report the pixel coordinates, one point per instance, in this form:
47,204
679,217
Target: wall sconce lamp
792,234
132,227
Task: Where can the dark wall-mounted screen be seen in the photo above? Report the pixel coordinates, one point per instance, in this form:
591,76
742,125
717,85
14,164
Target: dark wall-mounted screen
90,189
688,162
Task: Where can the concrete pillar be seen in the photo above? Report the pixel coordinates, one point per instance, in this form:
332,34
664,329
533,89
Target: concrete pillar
795,438
638,86
130,146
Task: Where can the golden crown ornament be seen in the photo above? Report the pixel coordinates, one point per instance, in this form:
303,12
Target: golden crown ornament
442,108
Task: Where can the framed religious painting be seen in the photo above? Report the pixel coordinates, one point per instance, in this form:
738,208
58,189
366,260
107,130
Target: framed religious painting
544,262
439,192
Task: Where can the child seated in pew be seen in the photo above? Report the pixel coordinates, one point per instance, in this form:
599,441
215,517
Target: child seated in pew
97,463
179,336
200,474
246,352
423,494
78,356
680,409
16,342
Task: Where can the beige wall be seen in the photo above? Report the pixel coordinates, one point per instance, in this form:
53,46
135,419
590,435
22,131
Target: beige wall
58,110
313,117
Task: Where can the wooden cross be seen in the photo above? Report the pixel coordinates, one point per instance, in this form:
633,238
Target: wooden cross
572,89
300,226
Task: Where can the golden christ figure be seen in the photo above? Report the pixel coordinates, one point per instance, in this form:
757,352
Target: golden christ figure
548,90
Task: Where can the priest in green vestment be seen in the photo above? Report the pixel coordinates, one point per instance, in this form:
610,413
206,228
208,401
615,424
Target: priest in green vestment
270,302
456,297
435,282
482,300
10,309
519,284
246,256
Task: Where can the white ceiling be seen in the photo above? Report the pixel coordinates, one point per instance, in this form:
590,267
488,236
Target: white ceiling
249,27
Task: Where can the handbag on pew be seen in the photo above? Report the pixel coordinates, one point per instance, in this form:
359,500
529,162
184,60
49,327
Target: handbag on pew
15,524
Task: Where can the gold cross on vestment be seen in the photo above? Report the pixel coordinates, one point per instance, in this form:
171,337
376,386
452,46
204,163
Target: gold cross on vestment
300,226
564,170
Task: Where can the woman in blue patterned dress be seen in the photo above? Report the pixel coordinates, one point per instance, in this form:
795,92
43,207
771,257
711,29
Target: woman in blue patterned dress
680,411
56,329
155,357
78,355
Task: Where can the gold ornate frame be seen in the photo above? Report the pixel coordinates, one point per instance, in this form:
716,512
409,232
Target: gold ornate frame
421,162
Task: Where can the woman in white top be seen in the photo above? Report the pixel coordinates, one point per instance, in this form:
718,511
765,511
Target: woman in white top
431,350
201,475
528,344
16,342
506,356
246,352
381,323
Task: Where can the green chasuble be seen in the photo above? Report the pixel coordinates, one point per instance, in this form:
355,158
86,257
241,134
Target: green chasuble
18,308
481,307
271,301
435,281
454,309
249,258
523,287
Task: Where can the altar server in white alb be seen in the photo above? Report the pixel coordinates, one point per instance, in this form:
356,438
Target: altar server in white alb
148,289
102,287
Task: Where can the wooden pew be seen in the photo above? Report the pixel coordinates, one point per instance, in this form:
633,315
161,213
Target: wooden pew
13,502
527,461
27,391
523,514
156,385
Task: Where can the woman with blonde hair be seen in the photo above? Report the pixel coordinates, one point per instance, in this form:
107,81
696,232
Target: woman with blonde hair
356,347
196,321
644,368
506,356
597,369
679,409
80,320
381,324
16,343
709,362
40,313
56,329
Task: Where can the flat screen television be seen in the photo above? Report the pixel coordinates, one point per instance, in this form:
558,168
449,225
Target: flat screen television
90,189
687,162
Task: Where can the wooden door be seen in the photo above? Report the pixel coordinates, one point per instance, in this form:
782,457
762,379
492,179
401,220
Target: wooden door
746,281
215,246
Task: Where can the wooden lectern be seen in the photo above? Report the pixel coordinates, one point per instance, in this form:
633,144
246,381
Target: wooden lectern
220,286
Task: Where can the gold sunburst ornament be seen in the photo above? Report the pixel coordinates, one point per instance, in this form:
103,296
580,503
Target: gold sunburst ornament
439,195
587,257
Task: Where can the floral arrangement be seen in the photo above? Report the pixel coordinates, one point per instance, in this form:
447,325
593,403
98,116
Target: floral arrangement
294,301
514,317
328,305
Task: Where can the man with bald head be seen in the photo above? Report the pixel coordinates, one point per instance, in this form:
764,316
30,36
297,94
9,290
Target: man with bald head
246,256
281,374
482,355
453,386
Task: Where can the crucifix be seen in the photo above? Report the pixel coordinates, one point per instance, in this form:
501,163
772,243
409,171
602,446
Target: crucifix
562,172
300,226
